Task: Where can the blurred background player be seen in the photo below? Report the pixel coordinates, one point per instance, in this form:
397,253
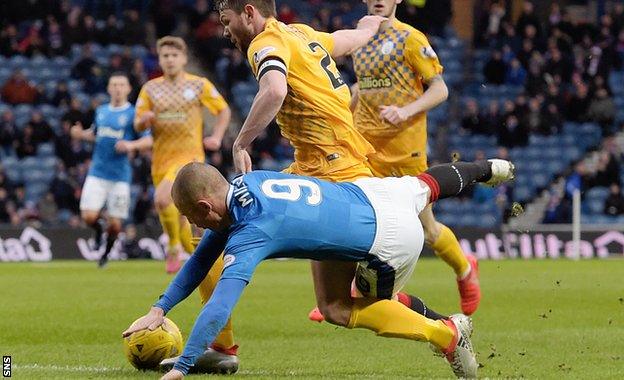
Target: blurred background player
110,173
171,106
390,104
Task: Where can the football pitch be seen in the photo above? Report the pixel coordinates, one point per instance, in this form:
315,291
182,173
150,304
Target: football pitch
537,319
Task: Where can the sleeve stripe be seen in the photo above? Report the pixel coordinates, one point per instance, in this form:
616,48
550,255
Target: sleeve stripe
271,64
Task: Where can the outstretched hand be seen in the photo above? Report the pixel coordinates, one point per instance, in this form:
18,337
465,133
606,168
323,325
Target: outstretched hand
174,374
150,321
242,160
371,23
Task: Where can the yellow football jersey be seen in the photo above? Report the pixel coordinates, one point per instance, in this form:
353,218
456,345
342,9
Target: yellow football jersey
391,70
178,129
315,116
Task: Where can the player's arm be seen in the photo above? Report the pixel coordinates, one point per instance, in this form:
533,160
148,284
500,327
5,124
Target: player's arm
211,320
355,93
347,41
214,102
138,145
267,103
144,117
78,132
187,279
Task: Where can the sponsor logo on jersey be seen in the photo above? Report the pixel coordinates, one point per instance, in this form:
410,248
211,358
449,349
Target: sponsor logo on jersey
111,132
368,83
387,47
428,52
171,116
228,260
260,54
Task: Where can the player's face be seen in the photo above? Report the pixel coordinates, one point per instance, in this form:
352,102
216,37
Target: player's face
236,29
384,8
201,216
118,89
171,60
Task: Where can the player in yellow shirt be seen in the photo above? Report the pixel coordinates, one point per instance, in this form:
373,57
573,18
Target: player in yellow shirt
171,106
300,84
390,105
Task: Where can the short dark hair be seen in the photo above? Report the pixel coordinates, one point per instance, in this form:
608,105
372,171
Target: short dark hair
265,7
119,74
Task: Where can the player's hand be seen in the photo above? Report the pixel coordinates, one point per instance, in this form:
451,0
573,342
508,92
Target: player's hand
150,321
212,143
174,374
147,118
393,114
76,131
371,23
242,160
123,146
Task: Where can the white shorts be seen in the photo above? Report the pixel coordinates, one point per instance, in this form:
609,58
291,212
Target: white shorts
399,236
98,192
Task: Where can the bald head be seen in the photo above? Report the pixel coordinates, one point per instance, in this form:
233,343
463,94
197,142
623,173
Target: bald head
195,182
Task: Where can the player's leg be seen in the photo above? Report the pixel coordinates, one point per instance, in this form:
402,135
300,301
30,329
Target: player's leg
170,221
92,200
118,206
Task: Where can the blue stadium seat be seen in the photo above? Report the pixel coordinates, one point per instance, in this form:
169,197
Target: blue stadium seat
595,206
522,193
600,193
45,150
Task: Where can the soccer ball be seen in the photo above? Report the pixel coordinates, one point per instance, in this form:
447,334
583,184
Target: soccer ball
145,349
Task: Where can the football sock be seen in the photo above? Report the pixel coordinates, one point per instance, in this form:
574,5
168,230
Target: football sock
110,241
225,339
448,180
186,236
170,221
393,319
417,305
98,228
448,249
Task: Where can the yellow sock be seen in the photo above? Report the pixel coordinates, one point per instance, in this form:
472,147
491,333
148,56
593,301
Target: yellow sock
186,236
225,339
393,319
448,249
170,221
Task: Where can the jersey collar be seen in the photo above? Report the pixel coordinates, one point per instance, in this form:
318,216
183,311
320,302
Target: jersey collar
122,107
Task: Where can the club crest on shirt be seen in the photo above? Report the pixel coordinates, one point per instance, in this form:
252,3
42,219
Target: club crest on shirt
122,120
188,94
260,54
387,47
428,52
228,260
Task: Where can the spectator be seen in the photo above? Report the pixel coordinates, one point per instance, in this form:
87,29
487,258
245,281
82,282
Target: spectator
614,204
89,29
532,119
9,41
17,90
492,118
55,40
516,74
8,132
512,133
134,30
528,18
88,71
286,15
75,114
33,44
471,122
74,29
198,13
65,190
558,211
61,97
556,65
551,120
579,103
494,69
112,32
209,28
607,170
237,70
138,77
577,180
130,244
602,110
42,131
5,215
48,212
26,144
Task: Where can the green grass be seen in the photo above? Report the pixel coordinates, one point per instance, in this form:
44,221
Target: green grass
538,319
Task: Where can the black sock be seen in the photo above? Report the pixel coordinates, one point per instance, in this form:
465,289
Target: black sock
448,180
110,241
419,306
98,227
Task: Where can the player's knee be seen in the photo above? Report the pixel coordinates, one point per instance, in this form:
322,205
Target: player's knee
432,233
161,202
114,226
336,313
89,217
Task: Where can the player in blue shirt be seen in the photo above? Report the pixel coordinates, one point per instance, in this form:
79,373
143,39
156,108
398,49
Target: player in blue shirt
372,222
108,180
